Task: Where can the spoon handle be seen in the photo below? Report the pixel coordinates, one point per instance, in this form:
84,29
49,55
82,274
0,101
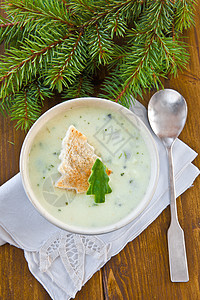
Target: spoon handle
176,241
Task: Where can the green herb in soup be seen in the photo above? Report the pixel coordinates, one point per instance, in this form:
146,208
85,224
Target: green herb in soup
121,148
99,182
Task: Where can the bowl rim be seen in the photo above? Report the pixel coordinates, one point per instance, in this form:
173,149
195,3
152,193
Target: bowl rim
78,229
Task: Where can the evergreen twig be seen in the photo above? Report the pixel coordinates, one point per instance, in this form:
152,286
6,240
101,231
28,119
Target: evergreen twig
60,45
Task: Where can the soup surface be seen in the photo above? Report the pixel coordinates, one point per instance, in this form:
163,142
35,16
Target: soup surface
122,149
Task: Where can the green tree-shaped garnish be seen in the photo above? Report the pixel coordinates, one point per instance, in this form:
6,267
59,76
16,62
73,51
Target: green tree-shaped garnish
98,181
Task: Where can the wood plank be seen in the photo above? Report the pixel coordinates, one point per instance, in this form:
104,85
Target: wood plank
16,280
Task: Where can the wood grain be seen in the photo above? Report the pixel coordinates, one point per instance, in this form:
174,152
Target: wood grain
140,270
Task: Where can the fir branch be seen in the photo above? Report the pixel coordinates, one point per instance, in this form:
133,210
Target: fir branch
60,44
67,62
3,20
39,10
141,63
117,25
184,16
5,104
100,44
135,73
84,8
25,106
81,87
25,110
67,6
130,9
22,67
5,25
39,90
8,29
85,5
118,55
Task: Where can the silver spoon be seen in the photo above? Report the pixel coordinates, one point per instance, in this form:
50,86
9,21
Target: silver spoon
167,113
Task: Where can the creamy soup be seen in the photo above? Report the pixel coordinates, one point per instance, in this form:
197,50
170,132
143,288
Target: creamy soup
122,149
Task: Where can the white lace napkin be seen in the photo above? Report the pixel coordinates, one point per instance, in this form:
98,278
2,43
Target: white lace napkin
62,261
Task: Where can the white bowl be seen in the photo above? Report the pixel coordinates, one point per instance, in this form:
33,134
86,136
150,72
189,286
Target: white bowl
97,102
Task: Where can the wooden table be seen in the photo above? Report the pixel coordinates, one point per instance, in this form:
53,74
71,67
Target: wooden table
140,270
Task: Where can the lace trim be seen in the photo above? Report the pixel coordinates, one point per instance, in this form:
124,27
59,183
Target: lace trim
49,252
72,249
94,246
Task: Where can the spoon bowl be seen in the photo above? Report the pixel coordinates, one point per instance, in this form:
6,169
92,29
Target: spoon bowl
167,112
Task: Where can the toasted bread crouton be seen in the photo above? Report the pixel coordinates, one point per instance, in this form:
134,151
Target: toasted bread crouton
77,158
